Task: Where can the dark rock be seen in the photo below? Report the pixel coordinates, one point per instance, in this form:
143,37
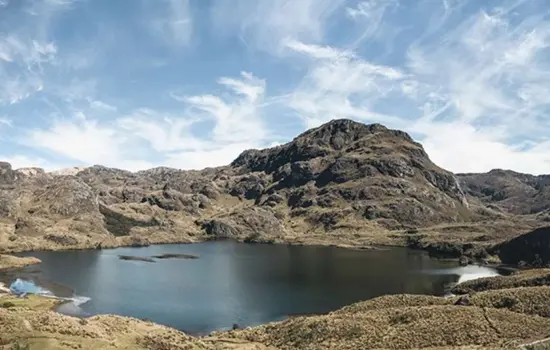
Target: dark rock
219,229
464,261
119,224
7,175
463,301
62,239
136,258
249,187
532,248
176,256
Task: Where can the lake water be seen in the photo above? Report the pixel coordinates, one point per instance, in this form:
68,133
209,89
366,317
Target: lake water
235,283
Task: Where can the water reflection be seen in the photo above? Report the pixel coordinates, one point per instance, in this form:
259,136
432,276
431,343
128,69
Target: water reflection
239,283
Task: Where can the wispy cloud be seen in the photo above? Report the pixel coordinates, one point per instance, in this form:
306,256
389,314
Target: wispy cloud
488,73
5,121
340,84
79,139
172,23
233,124
264,24
100,105
467,79
21,66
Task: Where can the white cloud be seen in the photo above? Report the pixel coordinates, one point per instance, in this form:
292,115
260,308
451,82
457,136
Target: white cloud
316,51
340,84
370,14
23,161
434,68
207,158
76,90
264,24
237,120
46,9
80,139
487,74
234,123
5,121
173,23
100,105
163,133
473,92
14,90
21,65
463,148
30,52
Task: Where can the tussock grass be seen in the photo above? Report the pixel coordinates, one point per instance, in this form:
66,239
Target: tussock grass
527,278
527,300
443,326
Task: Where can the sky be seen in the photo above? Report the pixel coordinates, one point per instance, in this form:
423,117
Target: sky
135,84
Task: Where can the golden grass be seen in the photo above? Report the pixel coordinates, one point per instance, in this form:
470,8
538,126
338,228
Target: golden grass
527,300
33,302
47,330
527,278
9,261
443,326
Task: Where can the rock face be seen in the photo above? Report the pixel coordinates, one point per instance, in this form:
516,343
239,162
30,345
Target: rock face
532,249
341,183
346,169
509,191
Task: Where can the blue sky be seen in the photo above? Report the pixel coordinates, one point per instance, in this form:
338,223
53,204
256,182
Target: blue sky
135,84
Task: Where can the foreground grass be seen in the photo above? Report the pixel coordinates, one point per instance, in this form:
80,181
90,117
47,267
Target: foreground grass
527,278
33,302
12,262
430,326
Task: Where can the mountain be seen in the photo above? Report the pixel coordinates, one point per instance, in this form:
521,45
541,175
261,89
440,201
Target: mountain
508,191
343,183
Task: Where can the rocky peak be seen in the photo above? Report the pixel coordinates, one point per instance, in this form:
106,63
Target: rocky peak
335,138
30,172
339,133
7,175
511,191
68,171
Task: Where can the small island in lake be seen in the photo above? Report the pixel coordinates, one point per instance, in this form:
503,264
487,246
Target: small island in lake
136,258
176,256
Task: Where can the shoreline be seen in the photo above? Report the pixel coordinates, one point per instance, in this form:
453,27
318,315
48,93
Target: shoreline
358,247
68,300
267,333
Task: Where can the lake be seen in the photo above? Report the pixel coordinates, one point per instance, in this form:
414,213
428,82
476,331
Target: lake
234,283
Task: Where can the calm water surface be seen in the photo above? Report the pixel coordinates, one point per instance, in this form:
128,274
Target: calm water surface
235,283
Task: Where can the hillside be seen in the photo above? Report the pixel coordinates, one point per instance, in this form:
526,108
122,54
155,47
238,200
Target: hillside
508,191
343,183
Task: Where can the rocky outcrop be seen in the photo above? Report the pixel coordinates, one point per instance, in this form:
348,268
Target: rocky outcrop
509,191
7,175
253,225
381,173
532,249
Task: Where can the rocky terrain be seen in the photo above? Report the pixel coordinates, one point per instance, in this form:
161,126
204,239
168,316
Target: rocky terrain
343,183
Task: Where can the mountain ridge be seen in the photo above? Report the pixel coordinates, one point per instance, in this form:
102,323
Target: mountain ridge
343,183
